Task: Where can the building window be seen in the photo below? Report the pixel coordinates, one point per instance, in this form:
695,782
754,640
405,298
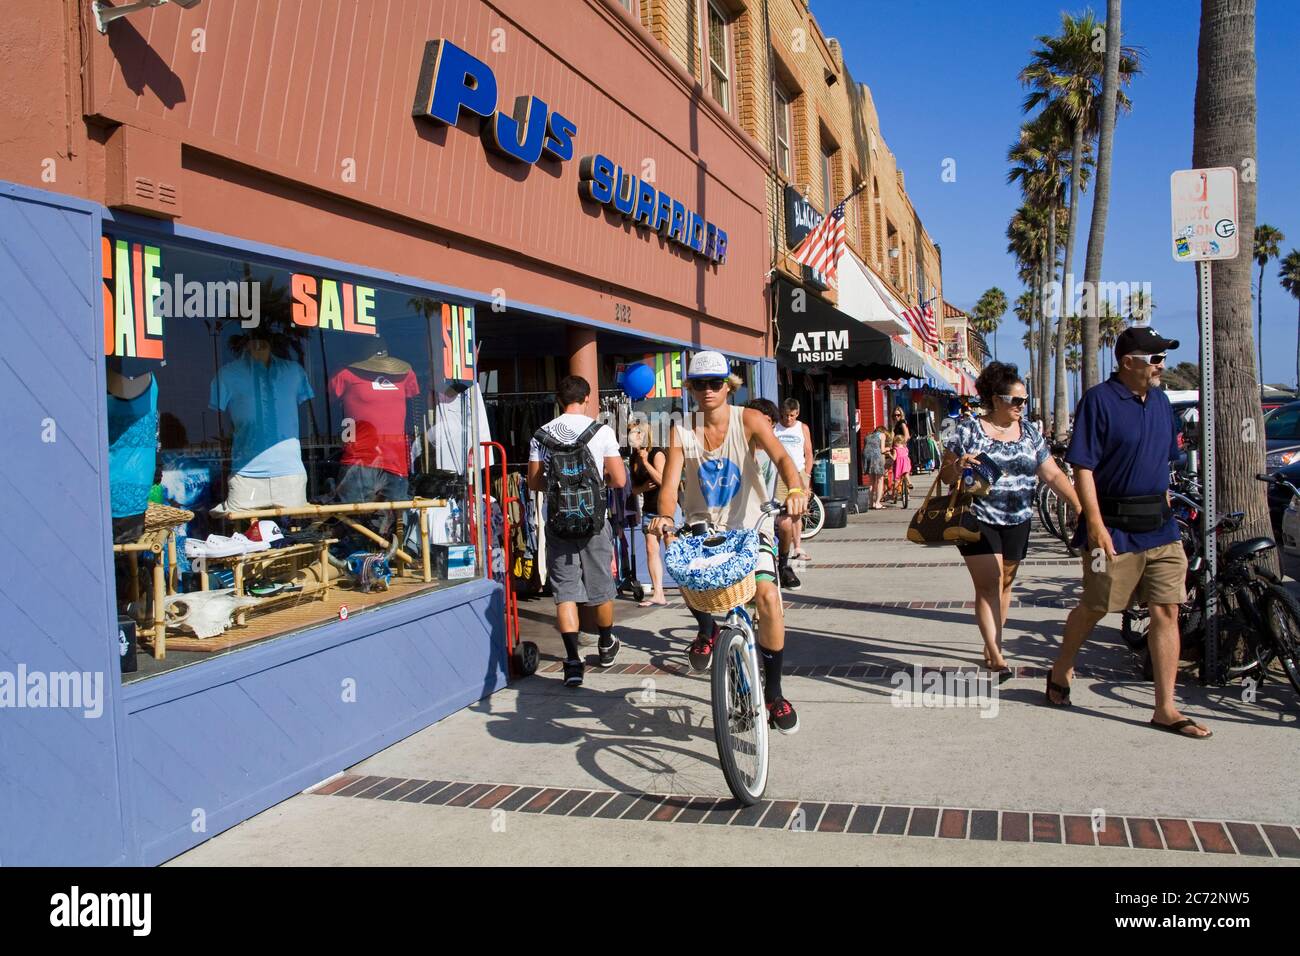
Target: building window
828,181
251,392
629,5
781,121
717,41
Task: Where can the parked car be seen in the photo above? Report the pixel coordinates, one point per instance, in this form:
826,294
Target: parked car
1282,433
1279,499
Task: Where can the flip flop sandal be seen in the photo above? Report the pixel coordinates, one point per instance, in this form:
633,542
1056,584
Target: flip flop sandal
1178,726
1062,692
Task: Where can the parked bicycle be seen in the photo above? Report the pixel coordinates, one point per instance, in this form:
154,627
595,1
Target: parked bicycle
1258,618
1056,514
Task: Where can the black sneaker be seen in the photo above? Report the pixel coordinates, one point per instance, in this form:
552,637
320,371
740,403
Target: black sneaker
608,653
573,673
781,716
701,652
789,580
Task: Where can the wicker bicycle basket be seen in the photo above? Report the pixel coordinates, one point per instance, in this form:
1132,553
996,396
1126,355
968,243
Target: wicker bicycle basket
721,600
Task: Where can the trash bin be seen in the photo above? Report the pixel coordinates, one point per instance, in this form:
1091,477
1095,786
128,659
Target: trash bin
837,512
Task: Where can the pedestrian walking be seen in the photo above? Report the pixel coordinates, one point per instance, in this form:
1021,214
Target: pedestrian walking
784,525
1010,455
797,440
1125,436
648,463
571,459
873,465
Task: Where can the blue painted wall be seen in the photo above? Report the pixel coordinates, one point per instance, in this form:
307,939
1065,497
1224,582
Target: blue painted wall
175,759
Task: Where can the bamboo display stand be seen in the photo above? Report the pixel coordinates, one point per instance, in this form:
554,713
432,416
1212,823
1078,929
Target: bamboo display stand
155,542
259,560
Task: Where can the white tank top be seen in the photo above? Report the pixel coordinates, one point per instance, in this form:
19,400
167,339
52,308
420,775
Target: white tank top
792,439
724,485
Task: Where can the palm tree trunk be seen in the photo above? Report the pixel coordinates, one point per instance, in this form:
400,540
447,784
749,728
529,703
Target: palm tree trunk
1101,193
1224,133
1045,326
1297,353
1259,344
1061,408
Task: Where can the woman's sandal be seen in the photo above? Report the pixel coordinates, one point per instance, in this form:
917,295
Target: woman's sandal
1062,692
1178,726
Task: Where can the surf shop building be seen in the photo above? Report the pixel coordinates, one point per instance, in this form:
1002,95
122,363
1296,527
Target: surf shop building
266,271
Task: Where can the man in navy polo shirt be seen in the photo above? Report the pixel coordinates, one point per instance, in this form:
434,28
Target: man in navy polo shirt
1125,435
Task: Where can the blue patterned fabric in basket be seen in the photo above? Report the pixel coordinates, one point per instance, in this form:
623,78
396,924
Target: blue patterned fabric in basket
700,567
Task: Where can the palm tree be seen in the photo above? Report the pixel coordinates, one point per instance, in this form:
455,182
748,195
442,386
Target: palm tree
1224,124
1139,305
1120,66
1064,77
1267,240
1289,276
1111,324
988,312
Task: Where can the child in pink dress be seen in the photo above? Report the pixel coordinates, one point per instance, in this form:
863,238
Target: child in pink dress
902,460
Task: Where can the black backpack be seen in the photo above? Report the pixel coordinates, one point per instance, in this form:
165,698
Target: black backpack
575,486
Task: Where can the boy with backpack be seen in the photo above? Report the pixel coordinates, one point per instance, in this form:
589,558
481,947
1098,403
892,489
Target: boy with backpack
571,459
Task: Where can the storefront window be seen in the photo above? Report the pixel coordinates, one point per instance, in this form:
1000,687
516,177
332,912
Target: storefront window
271,428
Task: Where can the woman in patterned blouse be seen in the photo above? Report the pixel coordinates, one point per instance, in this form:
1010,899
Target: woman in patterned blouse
1017,448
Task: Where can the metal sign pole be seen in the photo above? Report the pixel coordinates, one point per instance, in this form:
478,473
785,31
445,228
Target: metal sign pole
1209,510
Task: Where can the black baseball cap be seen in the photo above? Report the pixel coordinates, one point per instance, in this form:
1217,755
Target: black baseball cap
1143,340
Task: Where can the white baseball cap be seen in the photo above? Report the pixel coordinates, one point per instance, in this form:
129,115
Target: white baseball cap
708,365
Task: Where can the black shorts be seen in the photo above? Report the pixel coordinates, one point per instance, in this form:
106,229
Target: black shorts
1009,540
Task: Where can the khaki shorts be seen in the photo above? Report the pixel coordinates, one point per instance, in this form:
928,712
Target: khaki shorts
1155,576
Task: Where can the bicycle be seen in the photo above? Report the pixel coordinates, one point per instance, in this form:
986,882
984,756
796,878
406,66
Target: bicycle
814,517
740,719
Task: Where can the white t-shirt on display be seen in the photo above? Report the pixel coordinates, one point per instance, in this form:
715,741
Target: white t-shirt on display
567,428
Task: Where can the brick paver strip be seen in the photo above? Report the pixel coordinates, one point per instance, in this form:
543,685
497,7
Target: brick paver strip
643,806
382,787
494,796
1248,839
1163,833
952,824
466,797
616,807
1112,832
812,815
335,785
449,792
1214,838
593,803
1284,840
1178,835
364,783
542,800
836,818
894,820
749,816
1015,827
1078,830
924,821
1047,828
1146,836
519,798
402,789
426,790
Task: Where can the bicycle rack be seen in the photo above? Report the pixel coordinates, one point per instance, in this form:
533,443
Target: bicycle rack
523,655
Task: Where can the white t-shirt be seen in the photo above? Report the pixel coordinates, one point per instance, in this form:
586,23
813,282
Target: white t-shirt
567,428
792,438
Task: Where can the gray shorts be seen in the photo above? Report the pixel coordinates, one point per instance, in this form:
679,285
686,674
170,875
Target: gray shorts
581,571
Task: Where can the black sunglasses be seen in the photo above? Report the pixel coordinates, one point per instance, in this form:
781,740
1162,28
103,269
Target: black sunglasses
707,384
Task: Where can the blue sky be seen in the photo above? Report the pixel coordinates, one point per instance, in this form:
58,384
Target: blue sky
943,76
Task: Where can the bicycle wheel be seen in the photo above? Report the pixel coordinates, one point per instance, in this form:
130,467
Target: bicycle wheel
739,714
1281,615
1046,509
813,518
1067,520
906,494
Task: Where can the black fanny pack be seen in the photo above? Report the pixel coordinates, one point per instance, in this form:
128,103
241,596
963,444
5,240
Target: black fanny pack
1136,514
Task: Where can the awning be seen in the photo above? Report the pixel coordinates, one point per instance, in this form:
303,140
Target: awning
814,336
863,298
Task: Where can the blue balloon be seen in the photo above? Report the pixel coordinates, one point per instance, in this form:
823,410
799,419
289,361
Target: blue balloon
638,381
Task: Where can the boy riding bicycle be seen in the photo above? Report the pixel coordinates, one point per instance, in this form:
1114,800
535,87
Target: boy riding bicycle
724,487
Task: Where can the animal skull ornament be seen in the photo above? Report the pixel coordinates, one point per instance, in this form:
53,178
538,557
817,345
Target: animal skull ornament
206,613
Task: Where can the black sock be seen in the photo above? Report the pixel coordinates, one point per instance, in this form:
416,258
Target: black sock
606,637
571,645
705,621
772,672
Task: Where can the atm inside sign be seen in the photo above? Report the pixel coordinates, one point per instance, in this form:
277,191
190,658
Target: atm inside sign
1205,214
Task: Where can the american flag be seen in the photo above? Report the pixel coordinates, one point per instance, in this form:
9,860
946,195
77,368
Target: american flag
821,248
921,319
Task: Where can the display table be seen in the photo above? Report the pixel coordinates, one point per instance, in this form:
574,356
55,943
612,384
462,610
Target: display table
256,562
160,524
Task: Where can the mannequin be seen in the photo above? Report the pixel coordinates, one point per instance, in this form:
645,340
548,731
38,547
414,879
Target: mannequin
374,392
260,393
132,448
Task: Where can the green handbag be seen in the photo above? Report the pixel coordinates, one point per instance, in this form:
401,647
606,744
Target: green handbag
944,519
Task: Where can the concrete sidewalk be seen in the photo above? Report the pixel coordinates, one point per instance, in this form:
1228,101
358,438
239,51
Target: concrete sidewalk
584,775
